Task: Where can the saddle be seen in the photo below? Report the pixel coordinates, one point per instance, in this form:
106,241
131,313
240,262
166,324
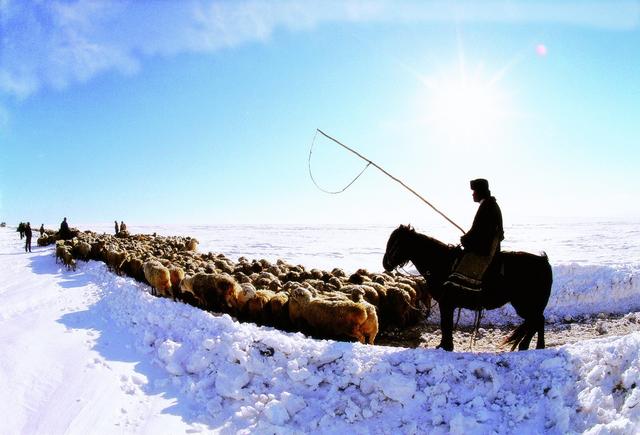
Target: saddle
470,269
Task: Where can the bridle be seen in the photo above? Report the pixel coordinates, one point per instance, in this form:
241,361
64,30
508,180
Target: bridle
392,252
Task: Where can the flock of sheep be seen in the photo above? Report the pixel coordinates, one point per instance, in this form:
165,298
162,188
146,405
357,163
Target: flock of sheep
293,298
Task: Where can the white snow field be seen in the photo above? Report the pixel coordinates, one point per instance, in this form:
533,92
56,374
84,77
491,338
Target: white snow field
91,352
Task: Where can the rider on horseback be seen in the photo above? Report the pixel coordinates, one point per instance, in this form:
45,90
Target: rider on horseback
481,243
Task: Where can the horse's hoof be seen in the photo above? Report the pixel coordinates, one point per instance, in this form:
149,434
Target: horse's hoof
445,346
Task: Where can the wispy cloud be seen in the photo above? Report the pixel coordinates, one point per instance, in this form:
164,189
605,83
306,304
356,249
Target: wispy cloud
53,44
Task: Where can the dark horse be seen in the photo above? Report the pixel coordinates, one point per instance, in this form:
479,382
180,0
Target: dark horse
519,277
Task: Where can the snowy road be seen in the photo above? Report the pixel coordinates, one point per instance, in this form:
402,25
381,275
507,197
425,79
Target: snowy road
65,368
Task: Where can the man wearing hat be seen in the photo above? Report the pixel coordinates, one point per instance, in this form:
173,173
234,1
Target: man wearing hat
487,225
482,242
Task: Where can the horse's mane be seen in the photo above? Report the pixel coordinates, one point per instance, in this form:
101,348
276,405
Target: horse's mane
434,244
434,241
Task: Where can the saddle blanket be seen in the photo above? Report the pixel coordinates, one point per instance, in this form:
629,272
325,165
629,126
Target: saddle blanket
468,273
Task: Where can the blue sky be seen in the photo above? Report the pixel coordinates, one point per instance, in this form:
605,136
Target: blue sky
204,112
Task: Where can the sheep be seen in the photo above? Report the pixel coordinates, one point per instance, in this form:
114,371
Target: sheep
240,298
134,268
316,273
60,248
335,281
406,311
339,273
212,289
256,266
369,293
274,270
275,285
45,240
267,280
380,278
158,277
227,288
258,304
82,250
320,285
191,245
279,309
241,277
336,318
224,266
97,250
359,277
176,275
67,258
114,259
194,285
293,276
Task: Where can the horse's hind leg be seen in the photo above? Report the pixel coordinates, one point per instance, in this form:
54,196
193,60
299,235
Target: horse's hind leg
540,324
533,326
526,340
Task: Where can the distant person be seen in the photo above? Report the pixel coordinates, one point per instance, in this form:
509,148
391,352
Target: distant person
27,233
64,231
21,229
123,226
482,243
117,230
41,230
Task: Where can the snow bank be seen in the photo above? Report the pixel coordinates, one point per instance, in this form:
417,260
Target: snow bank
577,290
586,290
249,379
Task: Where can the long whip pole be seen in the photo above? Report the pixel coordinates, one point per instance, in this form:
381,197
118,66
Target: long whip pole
390,176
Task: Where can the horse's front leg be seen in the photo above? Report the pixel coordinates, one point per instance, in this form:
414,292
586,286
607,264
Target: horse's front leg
446,325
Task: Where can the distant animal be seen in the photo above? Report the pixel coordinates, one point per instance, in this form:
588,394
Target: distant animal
526,284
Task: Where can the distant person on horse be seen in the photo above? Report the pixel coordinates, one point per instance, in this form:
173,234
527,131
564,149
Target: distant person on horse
64,231
482,243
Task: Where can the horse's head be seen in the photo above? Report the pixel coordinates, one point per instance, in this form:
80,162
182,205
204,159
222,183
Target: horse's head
397,253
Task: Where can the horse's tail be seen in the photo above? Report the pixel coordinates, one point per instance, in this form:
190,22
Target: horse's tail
516,336
521,336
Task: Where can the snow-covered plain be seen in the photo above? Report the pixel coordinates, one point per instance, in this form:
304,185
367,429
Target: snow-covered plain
91,352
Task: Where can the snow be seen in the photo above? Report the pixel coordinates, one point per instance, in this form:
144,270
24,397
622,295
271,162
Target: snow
92,352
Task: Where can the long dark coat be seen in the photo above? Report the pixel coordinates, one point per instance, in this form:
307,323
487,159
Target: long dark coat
487,225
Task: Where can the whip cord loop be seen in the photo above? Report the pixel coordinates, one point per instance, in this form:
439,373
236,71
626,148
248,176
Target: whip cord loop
369,163
333,192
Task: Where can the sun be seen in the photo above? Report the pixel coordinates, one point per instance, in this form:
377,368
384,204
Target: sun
463,107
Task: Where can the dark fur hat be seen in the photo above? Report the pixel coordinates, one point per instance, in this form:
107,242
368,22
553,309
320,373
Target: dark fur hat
479,185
